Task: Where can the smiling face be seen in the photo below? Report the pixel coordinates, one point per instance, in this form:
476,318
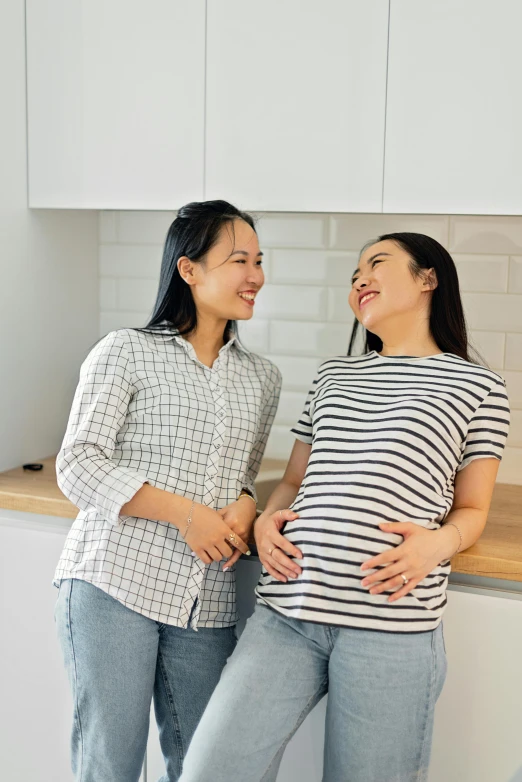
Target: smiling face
386,297
225,284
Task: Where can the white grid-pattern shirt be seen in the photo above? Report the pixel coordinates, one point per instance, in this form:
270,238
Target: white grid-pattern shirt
146,410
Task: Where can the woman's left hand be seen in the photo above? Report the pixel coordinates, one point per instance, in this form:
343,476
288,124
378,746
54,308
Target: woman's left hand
420,552
240,516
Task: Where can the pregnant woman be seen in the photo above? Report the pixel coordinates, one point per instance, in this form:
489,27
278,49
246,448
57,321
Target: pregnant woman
164,442
392,473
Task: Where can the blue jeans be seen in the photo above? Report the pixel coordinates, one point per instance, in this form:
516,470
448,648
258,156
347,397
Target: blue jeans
382,689
117,661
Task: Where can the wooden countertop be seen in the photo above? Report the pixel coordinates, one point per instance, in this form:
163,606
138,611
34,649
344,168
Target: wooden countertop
38,492
498,553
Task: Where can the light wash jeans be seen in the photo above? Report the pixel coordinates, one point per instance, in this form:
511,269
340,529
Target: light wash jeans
382,689
117,661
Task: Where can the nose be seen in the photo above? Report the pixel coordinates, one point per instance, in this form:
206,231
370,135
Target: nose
362,282
256,276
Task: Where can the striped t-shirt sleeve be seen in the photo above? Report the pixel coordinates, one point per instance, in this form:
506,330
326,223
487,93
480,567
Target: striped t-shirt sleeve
488,429
303,428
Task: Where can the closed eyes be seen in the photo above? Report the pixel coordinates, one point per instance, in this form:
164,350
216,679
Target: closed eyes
375,260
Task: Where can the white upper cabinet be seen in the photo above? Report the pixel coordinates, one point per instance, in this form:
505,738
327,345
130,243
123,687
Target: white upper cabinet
296,103
276,105
454,107
116,92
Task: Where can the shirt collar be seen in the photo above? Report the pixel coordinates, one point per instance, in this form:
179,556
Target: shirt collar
232,342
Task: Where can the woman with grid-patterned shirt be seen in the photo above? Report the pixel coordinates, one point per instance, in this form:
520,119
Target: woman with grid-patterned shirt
165,439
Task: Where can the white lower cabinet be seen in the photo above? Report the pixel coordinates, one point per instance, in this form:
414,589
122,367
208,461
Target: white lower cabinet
36,707
477,720
477,725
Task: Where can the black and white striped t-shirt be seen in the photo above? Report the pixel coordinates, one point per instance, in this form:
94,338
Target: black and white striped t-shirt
388,435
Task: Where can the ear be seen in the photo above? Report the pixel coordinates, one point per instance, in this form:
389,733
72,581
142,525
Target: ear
430,280
186,270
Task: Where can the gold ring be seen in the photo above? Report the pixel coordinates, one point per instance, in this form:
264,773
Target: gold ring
404,579
270,550
232,537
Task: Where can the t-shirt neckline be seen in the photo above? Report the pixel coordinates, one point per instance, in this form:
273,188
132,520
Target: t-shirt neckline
408,358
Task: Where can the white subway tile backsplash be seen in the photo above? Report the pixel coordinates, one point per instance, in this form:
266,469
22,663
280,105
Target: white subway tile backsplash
338,308
302,315
290,302
482,273
108,290
308,339
514,388
515,275
309,267
486,235
137,295
490,345
128,260
298,372
290,407
107,227
513,352
144,227
493,311
254,334
353,231
111,321
287,230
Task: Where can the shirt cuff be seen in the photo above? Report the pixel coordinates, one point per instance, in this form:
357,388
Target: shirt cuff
302,436
117,488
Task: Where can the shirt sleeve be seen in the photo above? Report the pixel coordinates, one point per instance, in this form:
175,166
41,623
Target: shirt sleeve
271,395
489,427
85,472
303,428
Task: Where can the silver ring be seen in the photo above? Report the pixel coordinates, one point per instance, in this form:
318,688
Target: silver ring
406,580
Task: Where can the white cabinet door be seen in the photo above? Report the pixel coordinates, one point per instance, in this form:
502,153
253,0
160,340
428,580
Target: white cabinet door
296,103
477,720
454,107
36,711
115,103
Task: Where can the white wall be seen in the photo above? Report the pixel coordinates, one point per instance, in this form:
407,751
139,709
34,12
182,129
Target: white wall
48,281
302,313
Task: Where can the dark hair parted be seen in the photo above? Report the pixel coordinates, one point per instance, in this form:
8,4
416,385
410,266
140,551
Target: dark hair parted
193,233
447,321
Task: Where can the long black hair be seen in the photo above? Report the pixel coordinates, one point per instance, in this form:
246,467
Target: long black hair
193,233
447,321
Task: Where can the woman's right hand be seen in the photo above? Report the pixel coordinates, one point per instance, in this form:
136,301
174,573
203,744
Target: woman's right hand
209,536
273,547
